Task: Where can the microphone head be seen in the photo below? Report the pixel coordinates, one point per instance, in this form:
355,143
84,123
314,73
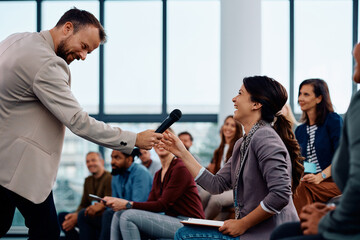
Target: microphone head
176,114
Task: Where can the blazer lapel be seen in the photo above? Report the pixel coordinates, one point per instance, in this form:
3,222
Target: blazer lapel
244,160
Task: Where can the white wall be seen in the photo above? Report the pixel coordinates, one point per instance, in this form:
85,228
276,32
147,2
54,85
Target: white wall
240,48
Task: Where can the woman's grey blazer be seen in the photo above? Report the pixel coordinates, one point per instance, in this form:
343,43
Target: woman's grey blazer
36,104
265,176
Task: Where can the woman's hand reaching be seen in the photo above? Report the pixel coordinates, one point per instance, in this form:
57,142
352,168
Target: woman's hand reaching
173,144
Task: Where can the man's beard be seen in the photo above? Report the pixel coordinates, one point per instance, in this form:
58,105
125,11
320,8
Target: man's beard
118,171
62,51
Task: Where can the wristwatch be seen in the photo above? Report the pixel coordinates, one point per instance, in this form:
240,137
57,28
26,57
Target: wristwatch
323,175
128,205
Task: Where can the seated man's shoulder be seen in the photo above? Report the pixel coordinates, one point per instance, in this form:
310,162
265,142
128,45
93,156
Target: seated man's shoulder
89,178
107,174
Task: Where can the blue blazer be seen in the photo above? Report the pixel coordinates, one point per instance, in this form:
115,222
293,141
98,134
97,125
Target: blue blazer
326,139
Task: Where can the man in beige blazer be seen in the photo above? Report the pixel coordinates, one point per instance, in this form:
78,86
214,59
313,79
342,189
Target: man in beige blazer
36,104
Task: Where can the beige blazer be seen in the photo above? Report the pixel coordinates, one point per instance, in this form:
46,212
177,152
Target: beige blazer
36,104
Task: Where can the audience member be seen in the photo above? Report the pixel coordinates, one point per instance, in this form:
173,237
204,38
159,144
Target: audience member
152,166
318,137
319,221
230,132
99,183
263,170
131,181
187,139
173,197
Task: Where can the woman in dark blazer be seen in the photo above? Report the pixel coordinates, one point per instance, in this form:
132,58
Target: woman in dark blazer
263,169
320,221
318,137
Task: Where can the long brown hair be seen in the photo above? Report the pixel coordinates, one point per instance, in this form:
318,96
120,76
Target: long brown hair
218,153
325,106
273,96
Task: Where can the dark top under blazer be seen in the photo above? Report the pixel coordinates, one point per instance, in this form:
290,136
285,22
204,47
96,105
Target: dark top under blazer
326,139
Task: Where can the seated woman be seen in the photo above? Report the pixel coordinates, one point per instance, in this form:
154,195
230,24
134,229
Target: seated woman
318,137
263,170
320,221
230,132
173,193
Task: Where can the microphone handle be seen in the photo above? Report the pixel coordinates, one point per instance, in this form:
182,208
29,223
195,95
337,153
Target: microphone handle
165,125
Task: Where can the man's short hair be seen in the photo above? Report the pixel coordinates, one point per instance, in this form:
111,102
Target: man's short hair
80,19
186,133
97,153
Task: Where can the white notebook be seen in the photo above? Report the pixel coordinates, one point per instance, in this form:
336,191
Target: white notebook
203,222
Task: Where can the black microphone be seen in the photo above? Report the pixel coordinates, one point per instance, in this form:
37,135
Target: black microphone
174,116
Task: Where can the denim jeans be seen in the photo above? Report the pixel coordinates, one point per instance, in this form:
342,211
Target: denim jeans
201,233
95,228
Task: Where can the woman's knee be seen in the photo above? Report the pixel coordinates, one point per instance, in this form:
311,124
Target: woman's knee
128,217
181,233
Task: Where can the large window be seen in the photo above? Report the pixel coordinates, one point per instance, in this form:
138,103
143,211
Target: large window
193,70
323,45
10,20
133,57
304,39
275,32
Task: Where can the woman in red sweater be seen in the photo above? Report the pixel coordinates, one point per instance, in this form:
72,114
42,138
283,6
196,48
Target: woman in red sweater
173,197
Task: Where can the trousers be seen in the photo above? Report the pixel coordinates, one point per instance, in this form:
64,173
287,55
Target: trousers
41,219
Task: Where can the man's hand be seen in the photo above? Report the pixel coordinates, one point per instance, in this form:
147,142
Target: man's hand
70,221
147,139
310,217
116,204
95,210
234,227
